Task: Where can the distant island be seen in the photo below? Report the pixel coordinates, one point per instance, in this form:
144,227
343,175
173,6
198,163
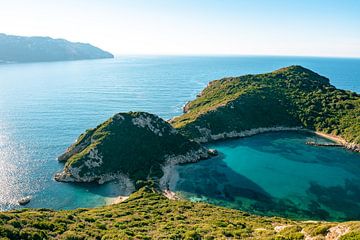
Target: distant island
18,49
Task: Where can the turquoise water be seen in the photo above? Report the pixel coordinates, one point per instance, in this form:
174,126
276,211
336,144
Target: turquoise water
277,174
45,106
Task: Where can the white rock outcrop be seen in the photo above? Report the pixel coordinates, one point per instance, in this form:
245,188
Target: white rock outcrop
171,161
207,135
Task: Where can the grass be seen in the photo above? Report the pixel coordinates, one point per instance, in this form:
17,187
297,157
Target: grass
149,215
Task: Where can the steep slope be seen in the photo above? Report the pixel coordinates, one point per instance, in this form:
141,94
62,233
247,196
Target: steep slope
289,98
149,215
129,146
45,49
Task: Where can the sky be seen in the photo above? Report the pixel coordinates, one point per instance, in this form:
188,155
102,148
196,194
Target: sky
193,27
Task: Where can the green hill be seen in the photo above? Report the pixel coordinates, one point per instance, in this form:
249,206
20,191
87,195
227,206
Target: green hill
129,146
292,97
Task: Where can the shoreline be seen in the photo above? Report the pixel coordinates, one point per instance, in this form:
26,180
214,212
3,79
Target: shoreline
172,176
350,146
115,200
255,131
336,139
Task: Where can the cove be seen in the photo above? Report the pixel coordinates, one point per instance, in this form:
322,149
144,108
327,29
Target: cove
276,174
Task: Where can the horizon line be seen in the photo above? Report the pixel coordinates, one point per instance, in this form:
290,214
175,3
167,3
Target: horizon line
228,55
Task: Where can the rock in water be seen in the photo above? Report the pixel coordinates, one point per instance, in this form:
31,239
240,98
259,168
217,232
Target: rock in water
129,146
24,200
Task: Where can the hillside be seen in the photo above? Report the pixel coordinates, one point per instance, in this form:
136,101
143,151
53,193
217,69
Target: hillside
289,98
16,49
149,215
129,146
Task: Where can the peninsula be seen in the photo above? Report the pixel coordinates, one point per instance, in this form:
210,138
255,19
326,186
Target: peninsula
129,146
291,98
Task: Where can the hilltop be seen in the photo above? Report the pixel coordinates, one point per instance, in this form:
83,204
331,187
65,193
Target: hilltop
17,49
129,146
289,98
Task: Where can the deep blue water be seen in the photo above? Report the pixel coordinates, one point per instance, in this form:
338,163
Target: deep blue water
45,106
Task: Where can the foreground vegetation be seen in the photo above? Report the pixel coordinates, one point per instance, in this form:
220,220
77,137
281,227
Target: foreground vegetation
292,96
147,214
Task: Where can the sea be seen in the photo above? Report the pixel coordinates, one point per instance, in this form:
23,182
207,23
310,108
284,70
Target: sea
44,107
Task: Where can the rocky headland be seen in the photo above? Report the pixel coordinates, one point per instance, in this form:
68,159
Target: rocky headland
291,98
128,147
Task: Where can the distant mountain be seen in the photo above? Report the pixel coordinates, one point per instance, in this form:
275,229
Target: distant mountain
44,49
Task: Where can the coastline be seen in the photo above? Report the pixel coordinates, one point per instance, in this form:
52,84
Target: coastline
170,177
350,146
209,137
336,139
115,200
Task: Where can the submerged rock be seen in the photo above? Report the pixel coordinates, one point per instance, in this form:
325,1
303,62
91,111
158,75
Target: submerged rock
129,147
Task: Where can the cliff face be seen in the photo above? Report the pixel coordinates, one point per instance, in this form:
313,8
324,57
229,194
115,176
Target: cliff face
129,146
45,49
289,98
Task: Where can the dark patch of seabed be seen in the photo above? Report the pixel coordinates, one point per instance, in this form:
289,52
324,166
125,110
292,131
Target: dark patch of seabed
277,174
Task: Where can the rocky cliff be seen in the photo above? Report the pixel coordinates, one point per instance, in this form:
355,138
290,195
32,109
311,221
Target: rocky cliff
129,146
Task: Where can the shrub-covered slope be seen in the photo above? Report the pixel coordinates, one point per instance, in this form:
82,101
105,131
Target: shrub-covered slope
149,215
45,49
130,146
289,97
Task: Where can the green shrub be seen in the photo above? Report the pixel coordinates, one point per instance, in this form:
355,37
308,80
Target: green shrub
351,236
192,235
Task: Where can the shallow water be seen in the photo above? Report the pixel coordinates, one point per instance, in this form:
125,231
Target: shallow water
45,106
277,174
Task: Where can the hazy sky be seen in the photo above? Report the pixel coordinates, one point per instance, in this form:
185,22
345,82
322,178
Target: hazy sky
261,27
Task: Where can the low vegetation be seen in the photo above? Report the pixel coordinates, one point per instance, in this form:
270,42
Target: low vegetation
147,214
292,96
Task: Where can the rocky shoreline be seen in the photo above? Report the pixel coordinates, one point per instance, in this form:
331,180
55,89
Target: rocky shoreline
169,179
209,137
172,161
350,146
